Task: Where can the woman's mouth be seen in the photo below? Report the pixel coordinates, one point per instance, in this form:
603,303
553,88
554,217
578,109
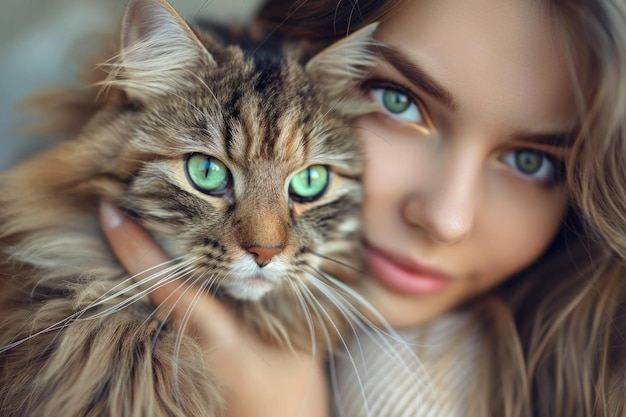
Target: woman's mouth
405,275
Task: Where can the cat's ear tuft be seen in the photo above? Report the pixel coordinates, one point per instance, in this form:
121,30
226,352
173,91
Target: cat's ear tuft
159,53
344,65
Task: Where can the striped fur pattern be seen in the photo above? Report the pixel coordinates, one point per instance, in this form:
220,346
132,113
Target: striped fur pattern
78,336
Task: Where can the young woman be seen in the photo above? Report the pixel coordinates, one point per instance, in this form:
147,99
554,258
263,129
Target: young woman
494,216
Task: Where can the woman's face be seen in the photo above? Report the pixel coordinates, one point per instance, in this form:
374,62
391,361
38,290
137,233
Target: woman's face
464,157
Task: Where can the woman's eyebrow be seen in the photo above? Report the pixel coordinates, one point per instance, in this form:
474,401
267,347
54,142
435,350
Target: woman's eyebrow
417,75
560,140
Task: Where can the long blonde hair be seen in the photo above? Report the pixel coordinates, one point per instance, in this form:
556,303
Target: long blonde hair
575,334
555,334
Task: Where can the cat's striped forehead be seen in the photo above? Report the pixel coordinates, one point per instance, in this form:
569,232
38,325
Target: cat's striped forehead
261,108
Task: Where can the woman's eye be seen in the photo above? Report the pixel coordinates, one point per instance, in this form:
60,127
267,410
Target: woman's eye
207,174
531,163
398,103
310,183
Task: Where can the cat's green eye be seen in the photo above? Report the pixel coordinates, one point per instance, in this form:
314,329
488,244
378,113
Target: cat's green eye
207,174
310,183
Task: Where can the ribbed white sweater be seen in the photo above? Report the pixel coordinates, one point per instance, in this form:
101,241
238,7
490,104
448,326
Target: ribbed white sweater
373,380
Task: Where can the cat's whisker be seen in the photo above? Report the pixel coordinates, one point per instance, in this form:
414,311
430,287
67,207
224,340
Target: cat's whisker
57,326
191,284
135,297
316,304
160,281
157,281
347,310
307,314
352,316
77,315
101,301
171,273
401,350
347,298
211,283
205,285
310,303
338,262
351,294
188,274
110,294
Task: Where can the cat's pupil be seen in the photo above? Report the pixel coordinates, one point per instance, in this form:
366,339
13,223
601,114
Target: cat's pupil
206,173
310,183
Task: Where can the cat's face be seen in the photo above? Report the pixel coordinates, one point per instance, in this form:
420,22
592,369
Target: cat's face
255,189
247,168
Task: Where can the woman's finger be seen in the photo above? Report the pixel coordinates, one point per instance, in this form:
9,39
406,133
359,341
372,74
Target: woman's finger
132,246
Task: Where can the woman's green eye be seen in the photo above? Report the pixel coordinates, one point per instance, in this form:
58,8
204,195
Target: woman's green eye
310,183
531,163
207,174
398,103
395,101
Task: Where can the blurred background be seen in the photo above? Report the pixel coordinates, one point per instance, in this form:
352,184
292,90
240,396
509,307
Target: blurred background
43,41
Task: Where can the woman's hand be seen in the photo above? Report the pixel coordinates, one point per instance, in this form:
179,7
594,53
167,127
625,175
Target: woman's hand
260,380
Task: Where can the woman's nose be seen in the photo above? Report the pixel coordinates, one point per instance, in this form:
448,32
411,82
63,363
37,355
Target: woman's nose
445,205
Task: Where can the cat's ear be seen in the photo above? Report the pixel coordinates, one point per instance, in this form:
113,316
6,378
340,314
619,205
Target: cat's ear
159,51
344,65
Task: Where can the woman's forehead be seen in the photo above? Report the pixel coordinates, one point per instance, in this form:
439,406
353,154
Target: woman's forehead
490,55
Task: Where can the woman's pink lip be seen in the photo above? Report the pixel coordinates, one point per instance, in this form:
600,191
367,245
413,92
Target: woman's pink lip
405,275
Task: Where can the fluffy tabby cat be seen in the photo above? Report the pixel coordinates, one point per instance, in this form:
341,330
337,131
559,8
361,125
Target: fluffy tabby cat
244,168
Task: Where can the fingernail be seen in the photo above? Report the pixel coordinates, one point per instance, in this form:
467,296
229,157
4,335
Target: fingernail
110,215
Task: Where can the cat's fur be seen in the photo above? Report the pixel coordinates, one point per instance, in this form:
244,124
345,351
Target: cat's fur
77,338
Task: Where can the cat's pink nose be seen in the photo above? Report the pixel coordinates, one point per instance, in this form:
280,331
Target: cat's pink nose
263,255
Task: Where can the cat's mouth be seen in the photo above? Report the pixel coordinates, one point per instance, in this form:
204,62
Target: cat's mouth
252,287
256,280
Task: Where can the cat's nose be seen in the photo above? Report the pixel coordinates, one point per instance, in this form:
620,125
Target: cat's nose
263,255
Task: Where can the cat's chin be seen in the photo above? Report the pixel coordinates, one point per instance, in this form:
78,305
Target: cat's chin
250,289
246,281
